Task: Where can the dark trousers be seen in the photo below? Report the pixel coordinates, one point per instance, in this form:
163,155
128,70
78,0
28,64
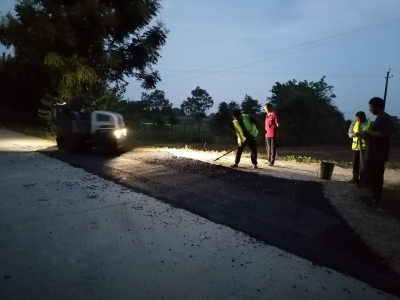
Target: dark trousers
270,143
375,171
253,148
358,174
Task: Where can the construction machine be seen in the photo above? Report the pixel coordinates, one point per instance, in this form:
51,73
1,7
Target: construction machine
81,131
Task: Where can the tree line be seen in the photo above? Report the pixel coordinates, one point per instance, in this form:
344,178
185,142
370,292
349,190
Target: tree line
306,110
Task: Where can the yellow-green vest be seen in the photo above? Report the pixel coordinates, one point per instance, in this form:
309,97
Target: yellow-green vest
356,127
250,127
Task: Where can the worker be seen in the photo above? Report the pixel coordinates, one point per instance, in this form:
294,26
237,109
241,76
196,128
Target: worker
247,134
271,133
358,147
377,149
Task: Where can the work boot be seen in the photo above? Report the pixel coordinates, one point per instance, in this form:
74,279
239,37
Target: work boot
255,167
352,180
234,166
271,164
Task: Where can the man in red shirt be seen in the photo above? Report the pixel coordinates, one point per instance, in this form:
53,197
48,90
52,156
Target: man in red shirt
271,132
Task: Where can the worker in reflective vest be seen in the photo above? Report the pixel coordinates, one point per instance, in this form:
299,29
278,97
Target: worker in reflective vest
358,146
247,134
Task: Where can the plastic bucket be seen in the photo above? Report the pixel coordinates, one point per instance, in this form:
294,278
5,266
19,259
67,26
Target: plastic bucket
325,170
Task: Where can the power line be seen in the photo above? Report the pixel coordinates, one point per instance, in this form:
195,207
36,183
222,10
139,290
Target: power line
291,73
254,69
299,45
285,54
286,67
238,67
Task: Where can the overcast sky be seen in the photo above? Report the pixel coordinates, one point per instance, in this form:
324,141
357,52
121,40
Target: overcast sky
234,33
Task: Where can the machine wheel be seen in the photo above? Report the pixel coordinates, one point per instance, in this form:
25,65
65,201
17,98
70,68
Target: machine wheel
63,144
60,143
68,145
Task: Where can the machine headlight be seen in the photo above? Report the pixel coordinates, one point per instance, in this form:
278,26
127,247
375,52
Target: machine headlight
124,132
118,133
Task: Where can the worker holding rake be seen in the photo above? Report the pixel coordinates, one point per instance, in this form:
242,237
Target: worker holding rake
247,134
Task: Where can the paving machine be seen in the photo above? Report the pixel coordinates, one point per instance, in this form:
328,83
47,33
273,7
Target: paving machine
81,131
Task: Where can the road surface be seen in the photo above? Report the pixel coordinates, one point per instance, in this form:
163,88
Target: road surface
153,226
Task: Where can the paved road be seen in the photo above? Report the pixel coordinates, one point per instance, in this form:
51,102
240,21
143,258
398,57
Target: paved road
66,233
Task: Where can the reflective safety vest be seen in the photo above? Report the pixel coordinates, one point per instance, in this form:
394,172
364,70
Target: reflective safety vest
356,129
250,127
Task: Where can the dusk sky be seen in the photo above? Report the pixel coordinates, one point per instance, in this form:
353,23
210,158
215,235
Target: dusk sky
229,34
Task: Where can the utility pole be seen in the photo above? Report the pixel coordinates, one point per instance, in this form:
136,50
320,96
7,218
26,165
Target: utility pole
387,80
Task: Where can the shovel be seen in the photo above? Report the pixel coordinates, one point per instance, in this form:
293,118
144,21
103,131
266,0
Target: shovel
227,153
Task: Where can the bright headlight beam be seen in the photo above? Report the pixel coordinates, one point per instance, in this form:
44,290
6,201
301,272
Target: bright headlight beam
118,133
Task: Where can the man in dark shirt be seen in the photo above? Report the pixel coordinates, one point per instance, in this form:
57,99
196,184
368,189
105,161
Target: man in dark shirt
377,147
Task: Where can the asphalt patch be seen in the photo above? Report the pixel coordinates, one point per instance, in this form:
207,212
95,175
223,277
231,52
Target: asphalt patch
292,215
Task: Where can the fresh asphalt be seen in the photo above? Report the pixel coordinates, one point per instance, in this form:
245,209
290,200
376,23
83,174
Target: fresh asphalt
291,215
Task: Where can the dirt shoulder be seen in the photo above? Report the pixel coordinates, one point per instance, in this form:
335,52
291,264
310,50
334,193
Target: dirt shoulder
282,168
379,230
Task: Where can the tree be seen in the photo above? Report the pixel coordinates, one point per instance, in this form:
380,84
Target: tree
197,105
83,44
233,105
308,115
173,121
177,112
221,122
132,111
156,105
22,87
160,122
321,89
250,106
223,117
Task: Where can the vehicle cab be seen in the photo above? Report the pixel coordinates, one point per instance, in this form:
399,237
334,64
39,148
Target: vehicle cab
108,128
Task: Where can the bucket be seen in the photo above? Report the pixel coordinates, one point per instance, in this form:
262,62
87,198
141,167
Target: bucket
325,170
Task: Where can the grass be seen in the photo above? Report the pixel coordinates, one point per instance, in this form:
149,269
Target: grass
392,186
313,160
393,164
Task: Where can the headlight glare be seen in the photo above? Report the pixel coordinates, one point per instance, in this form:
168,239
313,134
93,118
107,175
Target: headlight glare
118,133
